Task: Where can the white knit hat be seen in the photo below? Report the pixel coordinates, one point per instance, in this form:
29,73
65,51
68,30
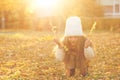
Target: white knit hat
73,27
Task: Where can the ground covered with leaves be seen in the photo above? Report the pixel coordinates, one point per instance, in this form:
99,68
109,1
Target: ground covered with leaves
27,55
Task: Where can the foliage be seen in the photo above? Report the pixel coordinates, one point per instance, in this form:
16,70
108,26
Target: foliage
14,12
88,8
18,13
27,55
111,24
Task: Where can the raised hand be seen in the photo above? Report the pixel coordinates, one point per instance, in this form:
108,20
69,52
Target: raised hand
88,43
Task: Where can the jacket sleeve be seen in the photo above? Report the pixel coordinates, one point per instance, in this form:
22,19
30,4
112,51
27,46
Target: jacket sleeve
88,49
59,53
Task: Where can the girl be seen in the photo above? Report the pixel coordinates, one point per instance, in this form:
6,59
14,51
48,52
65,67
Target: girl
71,49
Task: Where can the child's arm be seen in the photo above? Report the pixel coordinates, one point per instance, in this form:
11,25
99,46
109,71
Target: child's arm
58,43
89,50
59,51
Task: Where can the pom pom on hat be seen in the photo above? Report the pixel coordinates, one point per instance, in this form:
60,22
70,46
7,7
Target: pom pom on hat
73,27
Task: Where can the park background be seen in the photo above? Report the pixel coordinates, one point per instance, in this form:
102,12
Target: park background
28,27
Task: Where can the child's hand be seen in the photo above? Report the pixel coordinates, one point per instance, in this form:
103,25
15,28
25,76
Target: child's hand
88,43
58,43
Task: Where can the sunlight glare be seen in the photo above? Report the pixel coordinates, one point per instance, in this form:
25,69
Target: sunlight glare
45,7
44,4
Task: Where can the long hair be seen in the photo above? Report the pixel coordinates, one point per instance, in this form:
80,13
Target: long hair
78,45
76,51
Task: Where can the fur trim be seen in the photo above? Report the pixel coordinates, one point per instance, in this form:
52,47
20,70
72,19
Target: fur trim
59,53
89,53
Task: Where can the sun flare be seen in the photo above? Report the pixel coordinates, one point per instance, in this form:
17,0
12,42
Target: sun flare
44,4
45,7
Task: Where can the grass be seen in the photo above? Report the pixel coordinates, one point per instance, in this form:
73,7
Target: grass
27,55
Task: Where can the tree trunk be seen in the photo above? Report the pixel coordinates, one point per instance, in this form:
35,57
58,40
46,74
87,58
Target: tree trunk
3,21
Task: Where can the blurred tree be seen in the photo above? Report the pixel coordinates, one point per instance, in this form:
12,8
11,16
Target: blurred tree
86,8
14,12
